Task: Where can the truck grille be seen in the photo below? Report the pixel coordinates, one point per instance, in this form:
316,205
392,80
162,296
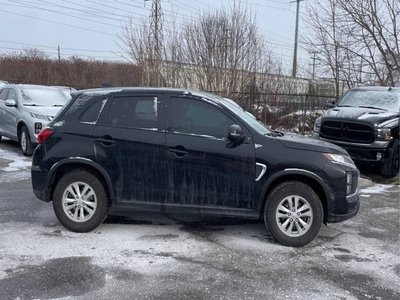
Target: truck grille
347,132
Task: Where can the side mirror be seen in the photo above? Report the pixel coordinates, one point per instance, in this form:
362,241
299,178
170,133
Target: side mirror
236,134
10,102
330,104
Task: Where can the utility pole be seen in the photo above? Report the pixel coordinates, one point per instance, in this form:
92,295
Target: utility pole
314,59
59,53
296,36
155,42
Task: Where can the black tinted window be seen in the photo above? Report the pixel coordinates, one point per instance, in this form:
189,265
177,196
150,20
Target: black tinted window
138,112
197,117
3,94
91,114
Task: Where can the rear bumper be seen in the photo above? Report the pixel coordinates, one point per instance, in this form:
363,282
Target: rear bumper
39,179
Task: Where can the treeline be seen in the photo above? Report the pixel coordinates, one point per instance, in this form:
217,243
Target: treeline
34,67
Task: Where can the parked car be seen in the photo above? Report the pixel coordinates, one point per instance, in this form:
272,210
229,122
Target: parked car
116,150
3,83
365,122
25,110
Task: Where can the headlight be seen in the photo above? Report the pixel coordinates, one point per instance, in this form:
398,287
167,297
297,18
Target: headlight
384,134
317,124
39,116
339,159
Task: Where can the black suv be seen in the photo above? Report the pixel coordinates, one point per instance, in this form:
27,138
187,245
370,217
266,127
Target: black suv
365,122
111,151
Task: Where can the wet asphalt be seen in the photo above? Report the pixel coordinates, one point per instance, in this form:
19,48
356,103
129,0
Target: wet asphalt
153,256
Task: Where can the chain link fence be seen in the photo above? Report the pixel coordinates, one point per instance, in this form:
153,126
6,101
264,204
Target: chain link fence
286,112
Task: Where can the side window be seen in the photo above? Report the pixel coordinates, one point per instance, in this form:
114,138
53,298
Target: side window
4,94
12,95
135,112
197,117
91,114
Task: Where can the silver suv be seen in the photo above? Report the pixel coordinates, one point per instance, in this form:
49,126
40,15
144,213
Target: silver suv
25,110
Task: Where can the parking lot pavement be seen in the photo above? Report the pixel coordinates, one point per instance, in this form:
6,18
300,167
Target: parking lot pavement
168,257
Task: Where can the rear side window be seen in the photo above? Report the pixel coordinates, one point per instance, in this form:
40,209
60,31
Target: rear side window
3,94
135,112
91,114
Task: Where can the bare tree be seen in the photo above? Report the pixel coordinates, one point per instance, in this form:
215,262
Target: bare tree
357,41
220,51
226,49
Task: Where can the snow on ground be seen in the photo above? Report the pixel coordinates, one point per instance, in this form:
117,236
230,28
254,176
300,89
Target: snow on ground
376,189
13,166
18,161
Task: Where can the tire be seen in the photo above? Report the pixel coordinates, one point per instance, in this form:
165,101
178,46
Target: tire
80,214
279,200
25,142
390,167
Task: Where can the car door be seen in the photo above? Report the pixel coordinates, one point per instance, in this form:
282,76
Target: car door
131,147
12,114
205,168
3,97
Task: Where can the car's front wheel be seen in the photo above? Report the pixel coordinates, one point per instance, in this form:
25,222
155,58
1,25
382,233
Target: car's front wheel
25,142
80,201
293,213
392,164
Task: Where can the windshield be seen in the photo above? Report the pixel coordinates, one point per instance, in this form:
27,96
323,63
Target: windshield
43,97
385,100
245,116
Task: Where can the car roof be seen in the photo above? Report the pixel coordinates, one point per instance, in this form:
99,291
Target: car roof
30,86
110,90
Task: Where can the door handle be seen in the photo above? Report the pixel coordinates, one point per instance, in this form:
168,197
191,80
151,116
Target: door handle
178,151
106,141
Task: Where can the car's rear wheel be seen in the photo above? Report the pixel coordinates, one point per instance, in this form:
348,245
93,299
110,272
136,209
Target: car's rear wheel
293,214
391,165
80,201
25,141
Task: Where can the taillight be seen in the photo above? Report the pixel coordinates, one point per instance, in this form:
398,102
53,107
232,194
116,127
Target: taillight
44,134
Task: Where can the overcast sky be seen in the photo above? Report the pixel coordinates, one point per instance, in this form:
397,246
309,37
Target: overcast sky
89,28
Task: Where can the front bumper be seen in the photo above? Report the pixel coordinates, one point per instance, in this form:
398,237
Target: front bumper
352,209
374,154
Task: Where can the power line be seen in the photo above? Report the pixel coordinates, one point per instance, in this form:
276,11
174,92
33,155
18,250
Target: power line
55,22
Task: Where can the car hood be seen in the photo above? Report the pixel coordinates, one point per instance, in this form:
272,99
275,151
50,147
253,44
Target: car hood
296,141
369,115
43,110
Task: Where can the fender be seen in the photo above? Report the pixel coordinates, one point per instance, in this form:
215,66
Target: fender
84,161
292,171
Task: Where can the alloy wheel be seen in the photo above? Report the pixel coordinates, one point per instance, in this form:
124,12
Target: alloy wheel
79,202
294,216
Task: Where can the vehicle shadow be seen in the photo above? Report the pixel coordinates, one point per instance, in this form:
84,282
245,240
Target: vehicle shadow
373,173
9,145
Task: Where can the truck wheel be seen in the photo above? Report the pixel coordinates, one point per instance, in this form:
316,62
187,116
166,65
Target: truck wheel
293,214
25,142
391,166
80,201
